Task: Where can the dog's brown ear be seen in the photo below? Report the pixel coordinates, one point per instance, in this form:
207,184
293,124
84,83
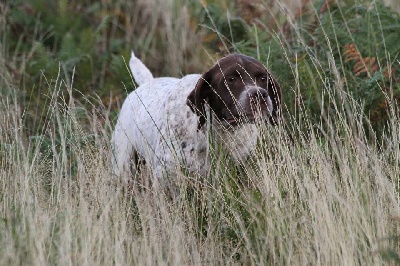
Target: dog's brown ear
198,97
274,90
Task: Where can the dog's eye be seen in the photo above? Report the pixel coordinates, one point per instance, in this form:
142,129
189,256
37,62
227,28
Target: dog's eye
264,79
231,79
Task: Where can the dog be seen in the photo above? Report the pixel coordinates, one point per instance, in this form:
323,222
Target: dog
168,122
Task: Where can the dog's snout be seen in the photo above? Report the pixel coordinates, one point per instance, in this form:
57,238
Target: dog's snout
256,93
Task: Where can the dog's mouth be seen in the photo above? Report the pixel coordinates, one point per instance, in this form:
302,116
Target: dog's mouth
233,117
243,119
250,112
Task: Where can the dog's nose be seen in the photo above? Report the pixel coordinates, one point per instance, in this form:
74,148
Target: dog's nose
257,94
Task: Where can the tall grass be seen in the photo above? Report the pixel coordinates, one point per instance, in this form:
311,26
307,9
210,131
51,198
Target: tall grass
314,201
329,196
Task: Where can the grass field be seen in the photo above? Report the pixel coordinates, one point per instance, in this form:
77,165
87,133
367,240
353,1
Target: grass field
329,197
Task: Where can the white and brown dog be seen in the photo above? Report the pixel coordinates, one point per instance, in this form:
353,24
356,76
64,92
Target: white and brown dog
166,121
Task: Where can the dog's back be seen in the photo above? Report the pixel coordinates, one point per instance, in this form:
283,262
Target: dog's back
151,114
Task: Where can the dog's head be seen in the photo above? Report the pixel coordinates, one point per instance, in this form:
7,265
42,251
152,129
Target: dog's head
238,89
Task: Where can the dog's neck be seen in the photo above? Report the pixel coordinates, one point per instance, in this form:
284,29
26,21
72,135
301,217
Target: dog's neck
239,141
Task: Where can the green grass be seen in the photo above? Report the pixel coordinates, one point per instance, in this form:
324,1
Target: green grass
329,196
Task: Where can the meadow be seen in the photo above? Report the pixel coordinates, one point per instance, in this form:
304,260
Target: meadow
321,189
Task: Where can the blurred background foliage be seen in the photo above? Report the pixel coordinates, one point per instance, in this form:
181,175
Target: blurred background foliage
347,46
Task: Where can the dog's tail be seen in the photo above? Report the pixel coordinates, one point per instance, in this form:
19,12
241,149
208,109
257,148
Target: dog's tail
140,72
